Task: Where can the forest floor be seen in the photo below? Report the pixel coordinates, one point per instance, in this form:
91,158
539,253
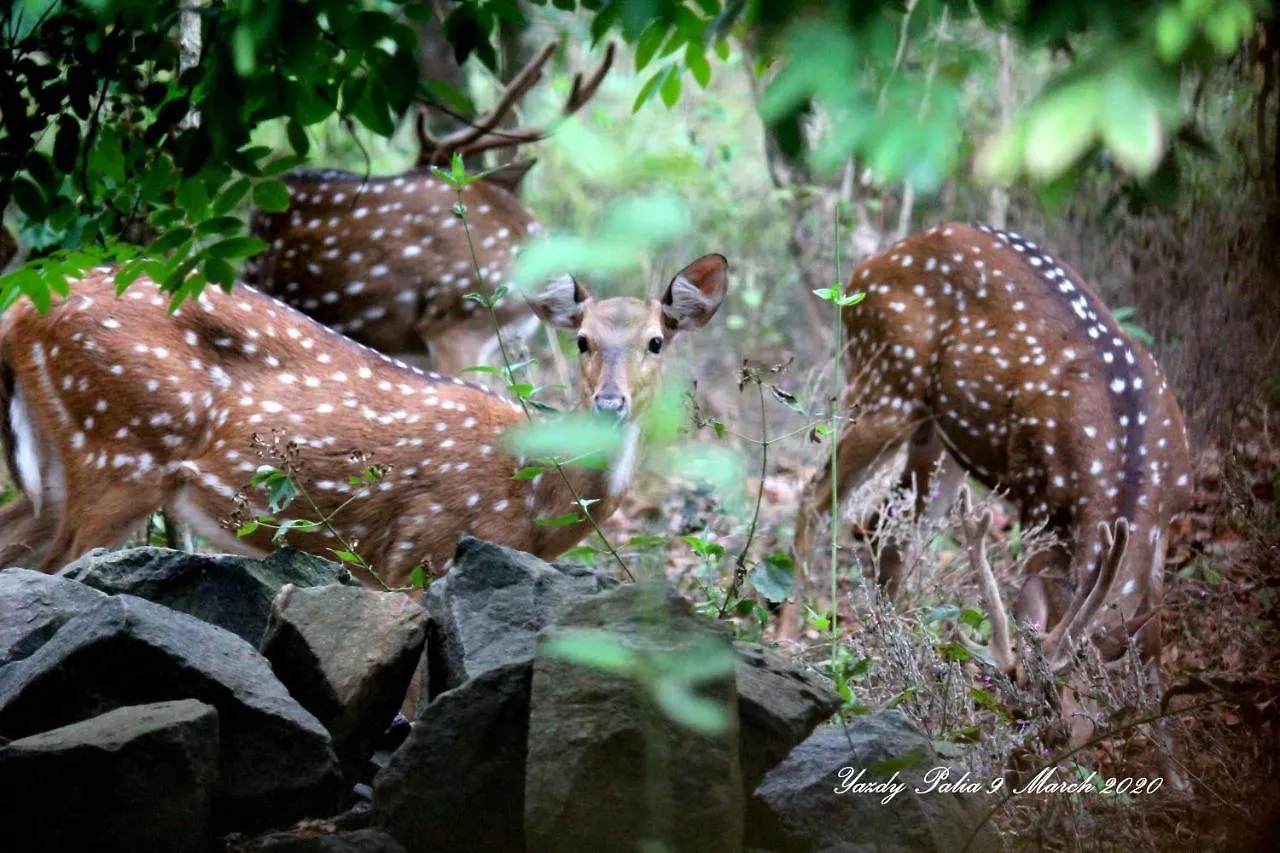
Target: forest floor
1220,663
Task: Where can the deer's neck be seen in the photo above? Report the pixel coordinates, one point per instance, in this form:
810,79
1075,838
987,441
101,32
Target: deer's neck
601,490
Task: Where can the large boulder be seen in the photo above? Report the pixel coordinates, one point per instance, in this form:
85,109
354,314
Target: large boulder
33,606
489,608
799,807
591,781
276,760
226,590
347,654
779,705
136,778
457,782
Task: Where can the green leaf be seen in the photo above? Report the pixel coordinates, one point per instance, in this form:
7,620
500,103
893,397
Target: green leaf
1061,128
649,42
219,271
527,473
696,713
650,86
246,529
585,438
582,552
670,88
171,239
28,198
297,137
230,197
280,165
66,144
787,399
697,64
193,196
1131,126
237,247
271,195
773,577
243,49
594,649
219,225
565,520
1173,33
418,577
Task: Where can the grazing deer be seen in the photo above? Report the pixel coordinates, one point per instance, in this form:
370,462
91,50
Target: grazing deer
111,408
975,342
386,262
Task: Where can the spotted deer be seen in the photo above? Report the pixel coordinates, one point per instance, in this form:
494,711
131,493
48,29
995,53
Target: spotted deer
385,261
990,358
112,408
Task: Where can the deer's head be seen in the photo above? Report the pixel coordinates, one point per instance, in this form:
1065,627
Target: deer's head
623,341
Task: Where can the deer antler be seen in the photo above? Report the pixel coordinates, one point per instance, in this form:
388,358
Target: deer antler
482,134
1088,600
975,534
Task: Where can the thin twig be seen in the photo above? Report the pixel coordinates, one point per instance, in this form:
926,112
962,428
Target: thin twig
740,565
524,406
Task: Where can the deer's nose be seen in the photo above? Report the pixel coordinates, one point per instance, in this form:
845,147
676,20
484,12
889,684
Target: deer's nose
610,404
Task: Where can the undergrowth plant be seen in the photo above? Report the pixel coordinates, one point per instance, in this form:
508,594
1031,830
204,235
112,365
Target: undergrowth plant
282,486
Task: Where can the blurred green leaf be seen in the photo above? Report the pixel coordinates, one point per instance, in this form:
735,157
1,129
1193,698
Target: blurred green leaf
594,649
696,713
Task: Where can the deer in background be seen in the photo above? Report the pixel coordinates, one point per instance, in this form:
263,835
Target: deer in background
386,262
993,359
112,407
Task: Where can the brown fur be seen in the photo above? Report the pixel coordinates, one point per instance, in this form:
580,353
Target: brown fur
978,342
386,262
132,409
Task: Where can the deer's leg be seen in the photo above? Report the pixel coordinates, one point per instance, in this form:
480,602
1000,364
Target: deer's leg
934,496
24,536
83,527
863,445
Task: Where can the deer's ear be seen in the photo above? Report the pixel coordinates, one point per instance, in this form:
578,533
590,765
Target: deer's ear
695,294
560,303
510,176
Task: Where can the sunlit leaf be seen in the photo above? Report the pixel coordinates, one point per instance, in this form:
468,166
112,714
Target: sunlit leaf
1061,128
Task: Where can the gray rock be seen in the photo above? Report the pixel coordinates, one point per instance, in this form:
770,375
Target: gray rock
308,841
796,810
489,608
136,778
457,782
779,705
33,606
591,781
226,590
276,761
347,655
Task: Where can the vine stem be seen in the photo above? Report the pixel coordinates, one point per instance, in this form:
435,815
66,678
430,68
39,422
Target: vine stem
837,374
740,565
461,212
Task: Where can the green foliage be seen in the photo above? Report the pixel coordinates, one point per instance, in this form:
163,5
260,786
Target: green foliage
108,135
671,676
105,132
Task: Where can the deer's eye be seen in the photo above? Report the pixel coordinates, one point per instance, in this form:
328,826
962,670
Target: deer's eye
583,346
655,345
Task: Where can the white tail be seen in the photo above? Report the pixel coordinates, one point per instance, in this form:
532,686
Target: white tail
113,408
976,341
385,260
